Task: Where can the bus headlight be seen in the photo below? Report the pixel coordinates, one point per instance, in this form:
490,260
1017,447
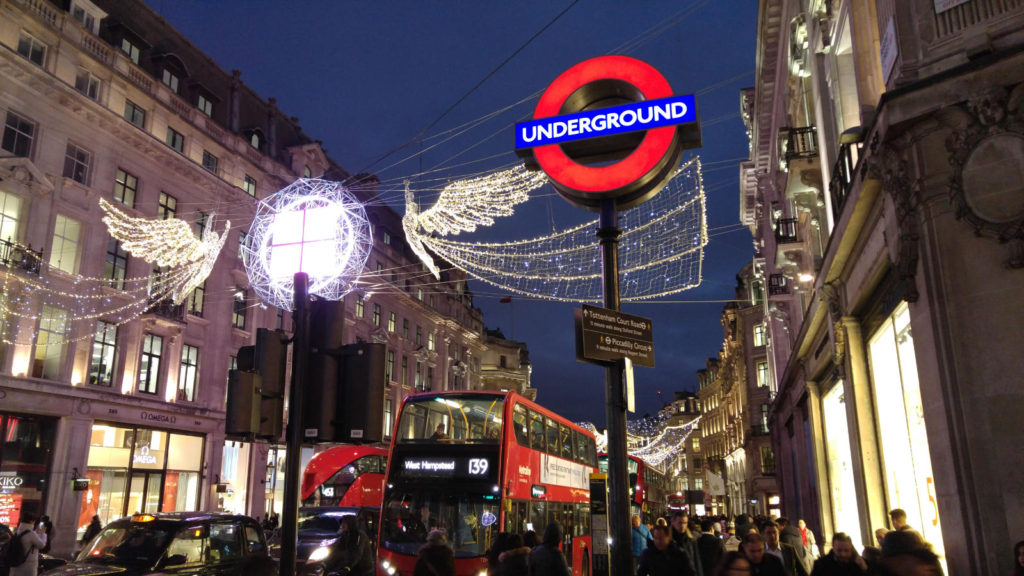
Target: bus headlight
320,554
388,567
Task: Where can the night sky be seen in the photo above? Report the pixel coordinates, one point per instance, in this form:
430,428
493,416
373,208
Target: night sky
366,78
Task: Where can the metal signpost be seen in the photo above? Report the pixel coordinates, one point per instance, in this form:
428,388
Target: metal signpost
609,133
293,460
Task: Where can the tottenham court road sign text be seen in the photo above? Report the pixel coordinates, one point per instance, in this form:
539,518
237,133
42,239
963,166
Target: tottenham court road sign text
604,335
607,121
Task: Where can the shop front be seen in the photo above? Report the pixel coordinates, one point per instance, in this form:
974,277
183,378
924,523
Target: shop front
25,461
842,492
140,470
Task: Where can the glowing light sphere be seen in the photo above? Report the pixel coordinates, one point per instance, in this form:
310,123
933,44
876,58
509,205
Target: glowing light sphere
314,226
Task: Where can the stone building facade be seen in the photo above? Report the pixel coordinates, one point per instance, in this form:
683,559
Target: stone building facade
885,192
104,99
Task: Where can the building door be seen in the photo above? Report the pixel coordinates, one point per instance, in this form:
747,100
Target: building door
144,492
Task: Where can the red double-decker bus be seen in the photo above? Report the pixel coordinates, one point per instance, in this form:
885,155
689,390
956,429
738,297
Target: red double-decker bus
647,488
478,463
345,476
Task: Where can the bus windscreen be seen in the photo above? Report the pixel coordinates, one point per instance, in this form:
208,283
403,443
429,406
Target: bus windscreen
451,420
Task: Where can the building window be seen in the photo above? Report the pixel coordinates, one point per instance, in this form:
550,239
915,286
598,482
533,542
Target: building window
210,162
419,294
419,335
418,376
175,140
196,300
767,460
698,483
116,266
306,173
243,244
760,338
104,354
170,79
389,367
205,105
87,84
762,374
32,49
76,164
130,50
202,221
64,249
256,139
10,212
431,342
376,314
696,444
405,371
50,343
149,363
391,322
360,307
387,238
84,17
168,206
125,187
188,374
389,415
428,384
134,114
249,185
18,135
239,309
405,328
502,362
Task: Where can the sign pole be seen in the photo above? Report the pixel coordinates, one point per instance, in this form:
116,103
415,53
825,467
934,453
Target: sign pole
293,462
618,506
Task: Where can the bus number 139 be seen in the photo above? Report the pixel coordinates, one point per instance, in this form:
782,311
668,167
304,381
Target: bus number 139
477,466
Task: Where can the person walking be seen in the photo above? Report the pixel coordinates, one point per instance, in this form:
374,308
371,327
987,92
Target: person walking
94,528
807,539
709,546
786,553
515,560
843,560
435,557
31,543
547,559
357,552
664,558
686,541
732,564
641,539
899,520
789,534
761,564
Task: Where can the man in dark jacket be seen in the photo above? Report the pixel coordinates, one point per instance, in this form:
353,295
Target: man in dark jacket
841,561
787,554
664,558
547,559
686,541
761,564
789,534
435,558
709,547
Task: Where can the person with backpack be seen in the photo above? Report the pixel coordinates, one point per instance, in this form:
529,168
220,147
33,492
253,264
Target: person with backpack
23,549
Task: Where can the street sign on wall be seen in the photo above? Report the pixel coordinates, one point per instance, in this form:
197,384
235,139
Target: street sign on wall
604,335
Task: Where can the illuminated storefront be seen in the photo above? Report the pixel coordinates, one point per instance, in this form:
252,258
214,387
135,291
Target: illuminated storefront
132,470
842,492
24,464
906,462
234,475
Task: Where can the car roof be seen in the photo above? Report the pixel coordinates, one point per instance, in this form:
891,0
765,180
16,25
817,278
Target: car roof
333,510
185,517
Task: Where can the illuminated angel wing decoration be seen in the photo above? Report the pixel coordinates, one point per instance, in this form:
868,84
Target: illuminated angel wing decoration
168,243
465,204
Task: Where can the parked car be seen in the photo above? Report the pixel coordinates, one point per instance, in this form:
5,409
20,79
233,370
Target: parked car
175,543
319,536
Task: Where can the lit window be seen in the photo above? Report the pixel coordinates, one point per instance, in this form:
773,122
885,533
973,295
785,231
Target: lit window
360,307
76,164
388,417
50,343
134,114
130,50
418,376
387,238
168,206
64,249
104,354
256,139
391,322
376,314
10,212
170,80
175,140
760,338
18,135
239,309
32,49
116,266
196,300
125,187
149,363
243,244
204,105
188,374
210,162
762,374
431,341
389,367
249,185
306,172
87,84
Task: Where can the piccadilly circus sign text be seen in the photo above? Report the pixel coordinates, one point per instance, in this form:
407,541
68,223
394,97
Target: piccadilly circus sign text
609,128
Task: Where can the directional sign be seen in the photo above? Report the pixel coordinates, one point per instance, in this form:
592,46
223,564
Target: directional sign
604,335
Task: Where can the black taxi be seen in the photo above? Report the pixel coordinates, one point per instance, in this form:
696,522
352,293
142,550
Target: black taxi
175,543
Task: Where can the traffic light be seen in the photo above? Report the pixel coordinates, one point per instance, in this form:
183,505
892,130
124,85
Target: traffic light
243,408
361,393
255,404
320,422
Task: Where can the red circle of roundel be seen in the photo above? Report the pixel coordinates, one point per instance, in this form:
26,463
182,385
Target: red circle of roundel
645,158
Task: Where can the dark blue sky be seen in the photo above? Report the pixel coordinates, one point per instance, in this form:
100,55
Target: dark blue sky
366,77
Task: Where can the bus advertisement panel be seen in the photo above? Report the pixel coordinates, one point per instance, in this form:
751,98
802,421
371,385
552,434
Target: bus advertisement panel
474,464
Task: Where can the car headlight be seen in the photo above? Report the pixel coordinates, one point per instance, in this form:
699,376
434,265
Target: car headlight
320,554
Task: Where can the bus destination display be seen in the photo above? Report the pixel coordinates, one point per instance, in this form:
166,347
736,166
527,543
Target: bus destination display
468,467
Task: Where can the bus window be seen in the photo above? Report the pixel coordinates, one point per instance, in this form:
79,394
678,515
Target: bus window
536,431
581,448
520,425
439,419
413,418
566,441
538,516
552,437
591,452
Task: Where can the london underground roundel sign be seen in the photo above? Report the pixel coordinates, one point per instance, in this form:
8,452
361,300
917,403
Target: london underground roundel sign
609,128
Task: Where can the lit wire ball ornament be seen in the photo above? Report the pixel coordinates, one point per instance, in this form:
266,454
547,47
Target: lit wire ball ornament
314,226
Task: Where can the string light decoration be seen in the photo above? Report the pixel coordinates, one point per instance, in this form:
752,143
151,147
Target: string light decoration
168,243
465,204
315,226
660,251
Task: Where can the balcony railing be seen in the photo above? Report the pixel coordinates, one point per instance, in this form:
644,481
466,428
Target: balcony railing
842,176
777,284
798,143
20,258
785,230
167,309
